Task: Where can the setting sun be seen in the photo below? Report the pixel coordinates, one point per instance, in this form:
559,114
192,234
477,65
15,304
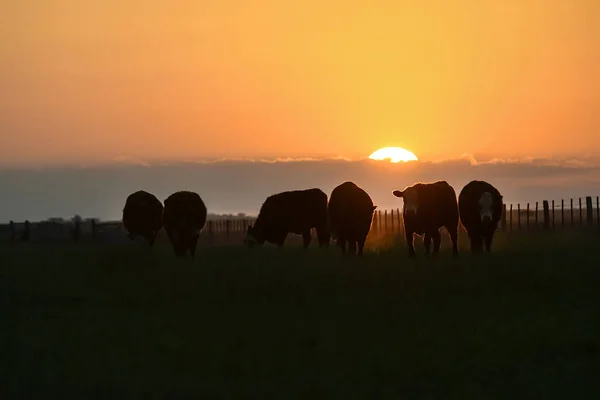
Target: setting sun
395,154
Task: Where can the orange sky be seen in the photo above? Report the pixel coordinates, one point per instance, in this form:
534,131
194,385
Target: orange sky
83,80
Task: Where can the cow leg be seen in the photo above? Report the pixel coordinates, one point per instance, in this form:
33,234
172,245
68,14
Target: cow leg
193,246
489,236
437,241
341,242
427,242
453,231
474,239
410,242
306,236
152,239
361,245
352,244
323,237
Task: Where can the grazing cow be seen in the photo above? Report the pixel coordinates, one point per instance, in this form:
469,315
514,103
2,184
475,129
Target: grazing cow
427,208
480,206
350,215
296,211
184,217
142,216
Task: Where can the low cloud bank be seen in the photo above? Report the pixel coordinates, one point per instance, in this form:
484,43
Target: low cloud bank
232,186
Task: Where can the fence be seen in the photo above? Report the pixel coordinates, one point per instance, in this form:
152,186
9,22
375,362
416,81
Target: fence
515,217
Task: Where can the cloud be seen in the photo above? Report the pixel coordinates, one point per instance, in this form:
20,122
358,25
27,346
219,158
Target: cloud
240,185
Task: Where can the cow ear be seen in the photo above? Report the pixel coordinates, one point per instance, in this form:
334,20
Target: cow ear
374,207
397,193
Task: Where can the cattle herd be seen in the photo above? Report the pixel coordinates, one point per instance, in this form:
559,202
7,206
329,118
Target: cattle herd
346,217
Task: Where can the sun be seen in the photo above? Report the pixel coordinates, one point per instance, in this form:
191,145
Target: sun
395,154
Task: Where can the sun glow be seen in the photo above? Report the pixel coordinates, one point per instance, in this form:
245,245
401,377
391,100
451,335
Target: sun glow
395,154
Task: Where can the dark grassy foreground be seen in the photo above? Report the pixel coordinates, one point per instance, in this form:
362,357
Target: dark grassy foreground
97,321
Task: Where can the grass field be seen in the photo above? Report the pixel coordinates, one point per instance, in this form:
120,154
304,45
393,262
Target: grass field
92,321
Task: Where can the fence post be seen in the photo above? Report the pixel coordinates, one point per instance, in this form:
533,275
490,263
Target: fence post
527,216
598,210
13,233
562,212
375,222
590,210
580,213
25,234
385,224
510,218
553,215
536,216
572,217
518,216
211,230
546,214
227,228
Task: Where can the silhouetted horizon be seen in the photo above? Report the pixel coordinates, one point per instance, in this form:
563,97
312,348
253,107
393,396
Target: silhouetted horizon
240,186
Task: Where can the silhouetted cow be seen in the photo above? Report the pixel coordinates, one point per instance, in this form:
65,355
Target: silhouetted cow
296,211
350,215
427,208
142,216
480,206
184,217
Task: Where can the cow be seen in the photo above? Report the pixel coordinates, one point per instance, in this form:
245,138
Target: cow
295,211
142,216
427,208
350,212
480,206
184,217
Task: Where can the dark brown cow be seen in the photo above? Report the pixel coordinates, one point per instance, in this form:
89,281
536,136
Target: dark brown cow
480,206
427,208
184,217
350,215
296,211
142,216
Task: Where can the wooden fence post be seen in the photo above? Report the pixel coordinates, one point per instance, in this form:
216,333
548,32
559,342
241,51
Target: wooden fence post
385,223
527,216
227,228
546,214
518,216
572,218
598,210
504,217
25,234
536,215
211,230
510,217
375,224
580,213
553,214
589,210
76,232
562,212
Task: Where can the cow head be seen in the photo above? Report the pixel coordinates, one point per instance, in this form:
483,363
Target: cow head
486,204
253,237
411,200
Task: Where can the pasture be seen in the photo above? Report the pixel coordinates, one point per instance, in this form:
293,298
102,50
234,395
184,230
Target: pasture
100,320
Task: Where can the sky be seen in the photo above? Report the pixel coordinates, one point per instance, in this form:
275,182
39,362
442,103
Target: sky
103,82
